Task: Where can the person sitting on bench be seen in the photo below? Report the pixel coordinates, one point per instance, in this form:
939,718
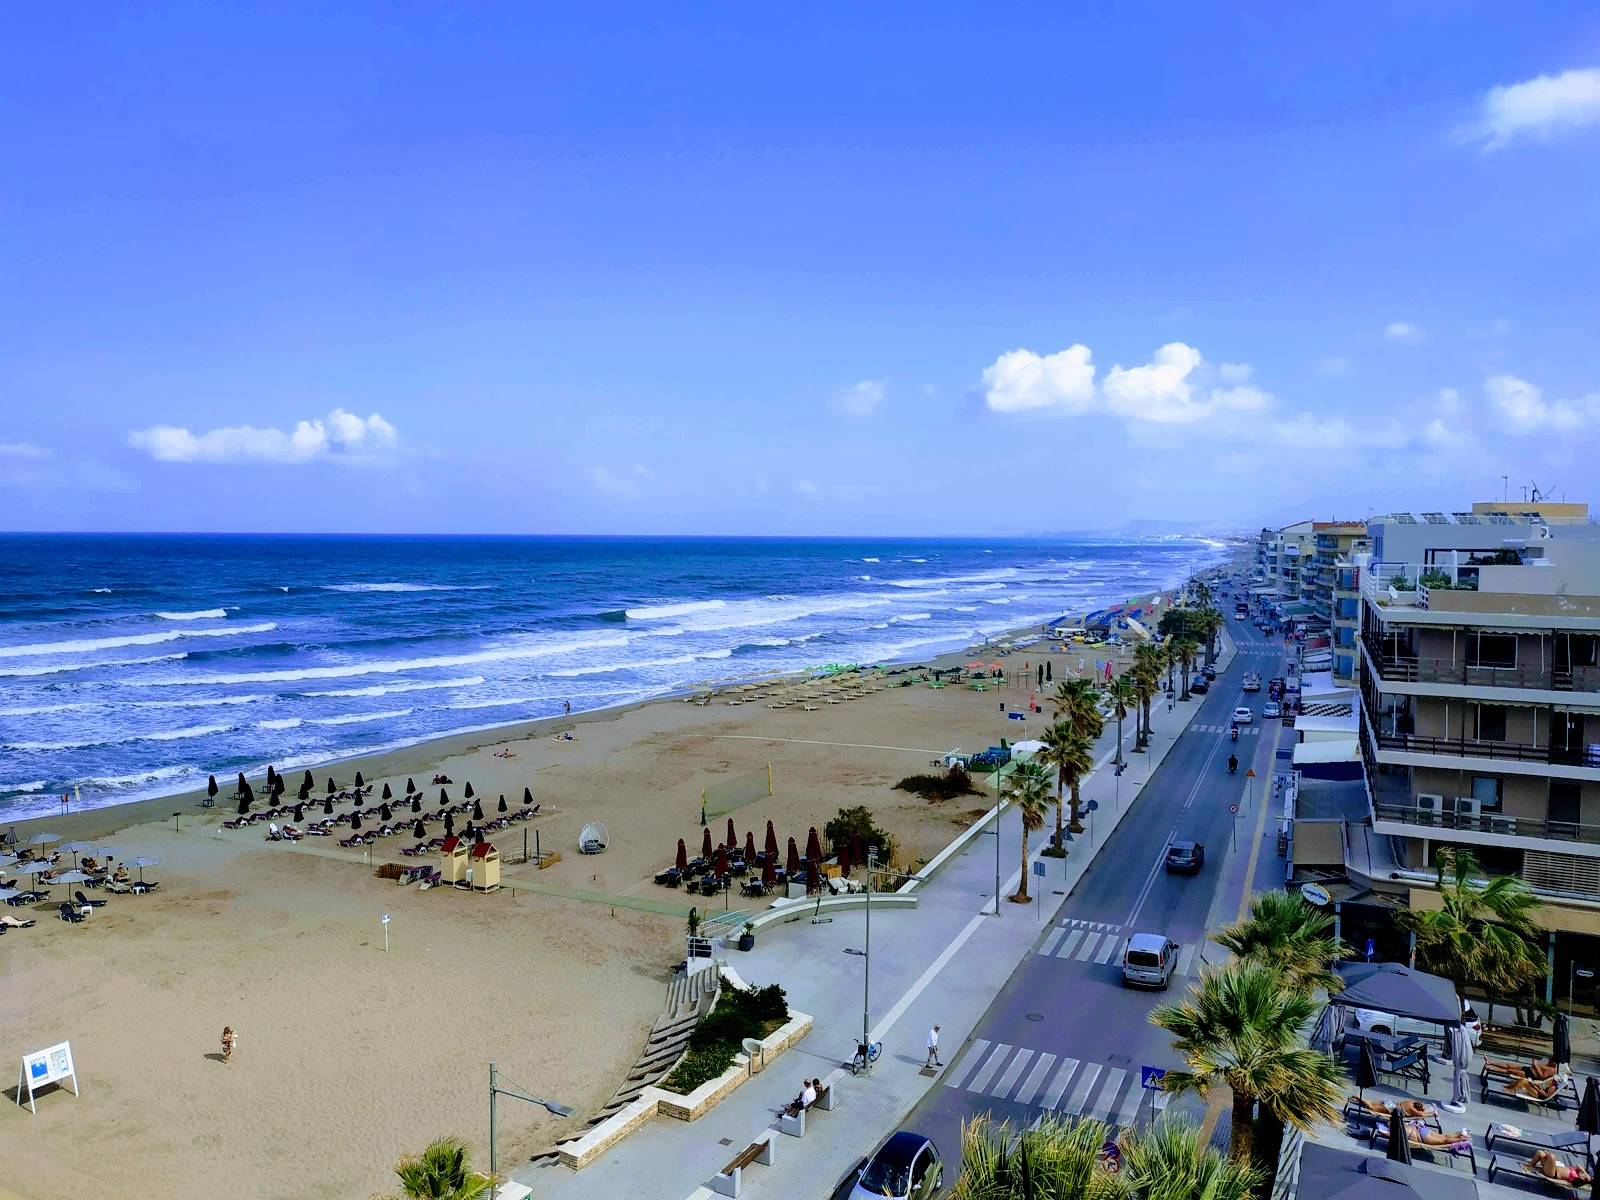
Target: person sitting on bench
1545,1070
1418,1134
1540,1090
806,1098
1548,1166
1414,1109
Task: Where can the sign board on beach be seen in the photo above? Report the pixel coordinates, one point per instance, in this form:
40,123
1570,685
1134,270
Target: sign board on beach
50,1065
1314,893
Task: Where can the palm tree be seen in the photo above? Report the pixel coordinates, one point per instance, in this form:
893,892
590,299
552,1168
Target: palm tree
1078,703
1146,672
1187,650
1240,1027
1286,935
1208,623
1029,789
1120,694
440,1173
1482,932
1072,755
1059,1157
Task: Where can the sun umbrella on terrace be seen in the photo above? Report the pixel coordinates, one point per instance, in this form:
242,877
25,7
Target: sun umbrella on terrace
844,861
769,870
43,839
359,781
733,838
813,845
468,792
1366,1070
387,794
750,846
813,884
416,802
792,865
1589,1109
527,795
502,803
1399,1139
721,867
772,841
76,848
477,811
142,863
705,842
682,862
211,786
1561,1038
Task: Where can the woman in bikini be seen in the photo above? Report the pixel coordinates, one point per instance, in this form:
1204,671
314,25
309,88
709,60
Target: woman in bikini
1545,1164
1414,1109
1540,1090
1545,1070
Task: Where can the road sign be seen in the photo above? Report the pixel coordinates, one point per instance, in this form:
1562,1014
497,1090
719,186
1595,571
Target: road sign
1092,806
1233,808
385,918
1150,1077
1111,1157
1250,774
1038,867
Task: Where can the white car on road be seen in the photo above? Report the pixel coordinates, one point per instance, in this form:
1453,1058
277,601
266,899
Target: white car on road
1243,716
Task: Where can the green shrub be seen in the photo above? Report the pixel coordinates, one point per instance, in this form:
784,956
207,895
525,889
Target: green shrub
700,1065
954,782
852,823
740,1013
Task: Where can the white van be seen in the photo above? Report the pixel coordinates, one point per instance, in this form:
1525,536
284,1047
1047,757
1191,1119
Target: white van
1148,960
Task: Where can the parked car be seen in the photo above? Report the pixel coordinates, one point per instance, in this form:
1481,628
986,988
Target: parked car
1243,716
1148,960
1209,671
1381,1022
1271,710
1200,684
1185,858
906,1167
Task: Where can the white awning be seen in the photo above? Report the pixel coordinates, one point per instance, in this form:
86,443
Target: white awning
1343,750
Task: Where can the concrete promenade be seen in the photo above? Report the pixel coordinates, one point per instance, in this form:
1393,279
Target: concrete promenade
943,962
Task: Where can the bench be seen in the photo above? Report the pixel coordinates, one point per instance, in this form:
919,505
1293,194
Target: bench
1506,1162
795,1125
1574,1142
727,1181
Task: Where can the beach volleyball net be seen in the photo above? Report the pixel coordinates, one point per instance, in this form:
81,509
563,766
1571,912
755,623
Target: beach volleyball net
734,792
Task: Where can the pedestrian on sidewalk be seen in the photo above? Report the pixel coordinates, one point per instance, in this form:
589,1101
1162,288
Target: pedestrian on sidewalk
933,1048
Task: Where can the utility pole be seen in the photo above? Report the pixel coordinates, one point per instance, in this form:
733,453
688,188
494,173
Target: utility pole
495,1089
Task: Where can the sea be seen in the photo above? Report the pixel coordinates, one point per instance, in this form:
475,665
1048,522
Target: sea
134,666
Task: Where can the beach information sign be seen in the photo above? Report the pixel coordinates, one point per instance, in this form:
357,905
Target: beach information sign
43,1067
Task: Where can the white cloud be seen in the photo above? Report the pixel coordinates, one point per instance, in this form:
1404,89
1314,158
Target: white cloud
1306,432
341,435
626,484
1403,331
1541,108
805,487
1334,365
1522,408
1020,380
861,399
27,450
1233,372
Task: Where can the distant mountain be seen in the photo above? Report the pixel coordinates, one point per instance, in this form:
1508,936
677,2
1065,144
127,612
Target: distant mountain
1150,527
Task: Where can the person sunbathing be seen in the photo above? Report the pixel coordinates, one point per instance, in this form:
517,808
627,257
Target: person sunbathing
1419,1134
1538,1089
1547,1165
1545,1070
1415,1109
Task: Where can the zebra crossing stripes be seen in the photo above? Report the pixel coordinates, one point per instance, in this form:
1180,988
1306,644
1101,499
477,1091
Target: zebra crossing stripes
1058,1085
990,1067
1070,944
1099,943
1185,955
1013,1072
1107,950
1084,1085
973,1056
1109,1093
1070,1086
1244,730
1035,1080
1050,942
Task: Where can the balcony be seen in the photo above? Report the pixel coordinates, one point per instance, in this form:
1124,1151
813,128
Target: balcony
1498,824
1402,668
1413,743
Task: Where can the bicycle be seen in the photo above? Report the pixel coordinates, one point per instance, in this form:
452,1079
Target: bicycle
866,1054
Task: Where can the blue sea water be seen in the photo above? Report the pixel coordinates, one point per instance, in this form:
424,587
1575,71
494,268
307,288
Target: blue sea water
133,666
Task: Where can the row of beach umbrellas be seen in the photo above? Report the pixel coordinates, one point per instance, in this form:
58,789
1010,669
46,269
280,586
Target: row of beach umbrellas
720,854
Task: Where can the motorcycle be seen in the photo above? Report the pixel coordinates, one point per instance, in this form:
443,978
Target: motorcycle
1234,733
1233,764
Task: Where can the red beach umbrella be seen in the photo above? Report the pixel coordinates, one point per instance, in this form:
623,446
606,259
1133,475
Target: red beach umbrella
813,845
705,843
683,857
772,841
813,884
733,838
722,860
792,866
769,870
844,860
749,846
856,853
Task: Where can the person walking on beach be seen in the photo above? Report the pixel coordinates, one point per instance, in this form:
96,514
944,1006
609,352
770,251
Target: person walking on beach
230,1039
933,1049
569,707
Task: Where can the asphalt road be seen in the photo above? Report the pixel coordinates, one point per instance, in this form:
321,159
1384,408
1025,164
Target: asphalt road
1063,1033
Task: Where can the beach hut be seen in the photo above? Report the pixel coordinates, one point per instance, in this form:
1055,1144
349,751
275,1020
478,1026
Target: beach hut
453,860
484,868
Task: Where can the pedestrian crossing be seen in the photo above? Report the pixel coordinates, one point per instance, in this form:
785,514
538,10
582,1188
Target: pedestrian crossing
1071,1086
1097,942
1244,730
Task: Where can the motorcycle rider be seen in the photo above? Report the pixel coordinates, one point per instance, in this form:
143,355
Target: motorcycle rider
1233,763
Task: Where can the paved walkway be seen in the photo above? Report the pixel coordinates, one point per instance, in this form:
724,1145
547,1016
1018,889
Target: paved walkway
942,962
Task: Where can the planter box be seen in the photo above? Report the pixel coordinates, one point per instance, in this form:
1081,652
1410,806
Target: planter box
713,1091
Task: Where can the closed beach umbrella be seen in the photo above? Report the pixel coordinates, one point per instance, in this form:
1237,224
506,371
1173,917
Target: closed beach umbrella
271,774
331,788
299,813
449,825
359,781
327,808
387,794
527,795
769,870
410,787
249,793
305,792
277,786
750,846
857,854
682,862
1366,1070
355,821
444,796
416,802
308,781
792,865
772,841
813,884
242,784
705,843
383,812
733,838
477,837
470,832
244,803
211,786
1399,1139
813,845
1562,1048
1589,1109
477,811
142,863
844,861
468,792
502,803
419,828
722,861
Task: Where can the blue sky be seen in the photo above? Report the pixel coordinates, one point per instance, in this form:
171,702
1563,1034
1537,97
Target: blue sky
769,269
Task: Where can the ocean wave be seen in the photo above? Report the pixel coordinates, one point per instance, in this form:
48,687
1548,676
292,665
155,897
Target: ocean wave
872,560
966,608
101,591
215,614
22,789
384,689
87,645
501,703
774,610
404,587
913,617
980,577
358,718
169,735
203,702
154,775
41,709
351,670
57,668
285,723
998,600
661,611
607,668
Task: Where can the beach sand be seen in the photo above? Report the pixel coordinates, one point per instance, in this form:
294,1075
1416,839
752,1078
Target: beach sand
350,1056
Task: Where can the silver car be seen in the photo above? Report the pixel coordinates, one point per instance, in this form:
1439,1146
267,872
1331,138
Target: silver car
1148,960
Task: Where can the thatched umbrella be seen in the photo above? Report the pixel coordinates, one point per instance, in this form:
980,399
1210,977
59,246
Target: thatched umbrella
420,829
813,845
468,792
792,865
527,795
750,846
733,838
705,843
410,787
683,858
387,794
360,782
772,841
355,821
721,867
769,871
416,802
211,787
449,825
383,811
844,861
477,811
503,802
327,808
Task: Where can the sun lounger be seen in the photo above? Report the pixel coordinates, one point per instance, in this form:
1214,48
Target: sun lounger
11,922
413,851
1517,1165
1567,1092
88,903
1379,1131
1573,1142
70,913
118,887
141,886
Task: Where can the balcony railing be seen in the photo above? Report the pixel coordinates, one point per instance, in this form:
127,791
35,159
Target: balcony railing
1483,822
1401,668
1464,747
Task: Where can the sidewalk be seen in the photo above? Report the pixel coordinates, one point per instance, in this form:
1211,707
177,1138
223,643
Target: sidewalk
942,962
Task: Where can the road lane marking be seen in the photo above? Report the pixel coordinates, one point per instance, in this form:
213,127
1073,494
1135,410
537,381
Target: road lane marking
1109,1094
1201,778
1086,1082
1050,942
1129,1112
970,1059
1035,1079
1261,825
1068,945
980,1081
1013,1072
927,977
1087,949
1107,950
1058,1085
1184,956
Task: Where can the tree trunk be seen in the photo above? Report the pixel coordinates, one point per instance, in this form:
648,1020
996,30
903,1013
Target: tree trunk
1022,896
1077,809
1268,1146
1240,1139
1185,695
1061,842
1119,741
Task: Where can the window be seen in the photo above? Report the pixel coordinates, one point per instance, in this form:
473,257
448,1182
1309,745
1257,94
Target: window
1486,791
1491,650
1491,722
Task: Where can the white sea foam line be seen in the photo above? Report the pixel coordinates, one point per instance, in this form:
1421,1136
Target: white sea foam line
22,789
658,612
215,614
85,645
384,689
756,737
58,668
927,977
41,709
404,587
359,718
172,735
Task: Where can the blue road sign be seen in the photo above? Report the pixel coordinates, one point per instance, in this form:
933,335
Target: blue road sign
1150,1077
1038,867
1093,806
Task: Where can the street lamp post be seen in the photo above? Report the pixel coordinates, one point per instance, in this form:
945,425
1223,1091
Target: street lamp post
496,1089
866,965
997,841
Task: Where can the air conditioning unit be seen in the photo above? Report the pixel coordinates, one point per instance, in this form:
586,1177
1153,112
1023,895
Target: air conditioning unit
1429,803
1501,824
1466,809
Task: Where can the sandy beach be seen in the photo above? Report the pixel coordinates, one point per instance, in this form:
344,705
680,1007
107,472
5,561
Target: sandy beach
350,1056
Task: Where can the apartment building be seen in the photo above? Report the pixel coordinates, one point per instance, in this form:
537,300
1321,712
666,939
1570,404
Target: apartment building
1331,586
1279,555
1480,687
